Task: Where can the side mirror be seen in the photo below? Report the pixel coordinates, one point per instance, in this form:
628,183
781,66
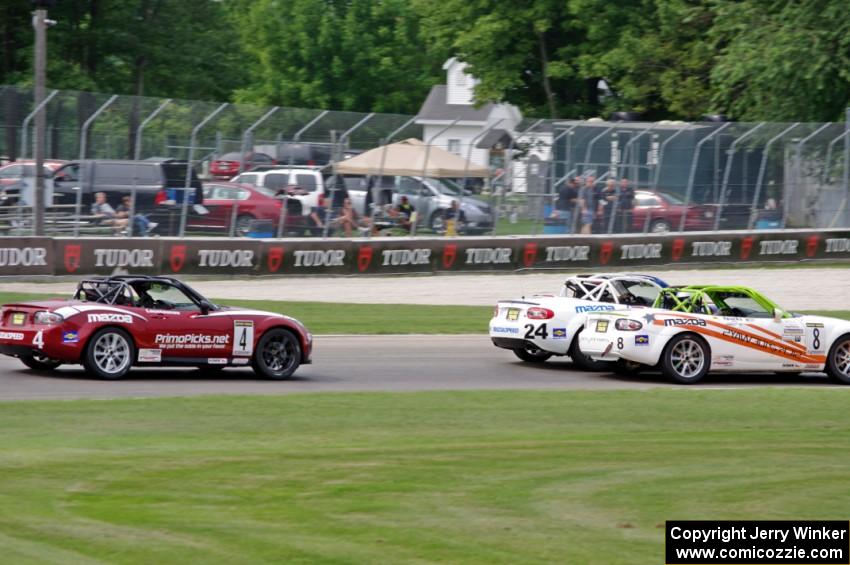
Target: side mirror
777,314
206,306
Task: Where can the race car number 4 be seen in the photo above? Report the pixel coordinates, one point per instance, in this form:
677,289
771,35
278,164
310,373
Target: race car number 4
243,338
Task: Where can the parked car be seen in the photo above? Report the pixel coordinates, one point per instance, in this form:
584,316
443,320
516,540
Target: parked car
227,165
659,212
431,197
252,204
117,178
309,183
14,177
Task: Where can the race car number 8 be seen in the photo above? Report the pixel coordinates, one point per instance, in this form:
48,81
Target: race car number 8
540,331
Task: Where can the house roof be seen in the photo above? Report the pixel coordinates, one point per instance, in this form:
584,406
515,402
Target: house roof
435,108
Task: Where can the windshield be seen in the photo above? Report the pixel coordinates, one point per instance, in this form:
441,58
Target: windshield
446,186
672,199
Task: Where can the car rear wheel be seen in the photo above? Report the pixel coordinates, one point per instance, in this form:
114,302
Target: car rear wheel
40,362
686,359
838,361
278,354
532,354
109,354
583,361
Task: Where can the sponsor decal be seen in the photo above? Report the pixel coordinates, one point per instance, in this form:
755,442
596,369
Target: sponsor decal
274,259
601,326
401,257
760,343
529,254
150,355
678,248
123,258
240,361
594,308
711,248
449,255
70,337
778,247
71,257
838,245
162,312
641,340
243,338
217,361
500,330
364,257
684,322
791,365
567,253
722,360
23,256
814,325
488,255
812,245
559,333
812,366
177,258
233,258
191,341
746,247
14,336
793,331
317,258
605,252
640,251
120,318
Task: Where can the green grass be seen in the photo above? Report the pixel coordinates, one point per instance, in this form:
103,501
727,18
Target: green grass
461,477
338,318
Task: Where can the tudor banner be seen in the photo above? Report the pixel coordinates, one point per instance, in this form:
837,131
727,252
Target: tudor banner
25,256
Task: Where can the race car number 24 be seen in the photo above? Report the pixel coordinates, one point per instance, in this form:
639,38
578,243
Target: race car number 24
243,338
540,331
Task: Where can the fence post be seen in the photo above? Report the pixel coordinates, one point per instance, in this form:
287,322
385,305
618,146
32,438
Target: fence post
384,143
25,126
798,172
297,137
138,157
846,153
728,171
425,168
83,147
661,152
692,175
246,135
762,168
590,145
189,158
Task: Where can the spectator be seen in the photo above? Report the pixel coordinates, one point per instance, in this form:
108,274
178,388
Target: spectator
404,212
316,220
141,224
605,206
566,202
105,215
454,218
348,219
587,205
625,204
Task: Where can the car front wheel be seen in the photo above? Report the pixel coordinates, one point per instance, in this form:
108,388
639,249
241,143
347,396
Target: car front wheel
40,362
838,361
686,359
278,354
243,225
109,354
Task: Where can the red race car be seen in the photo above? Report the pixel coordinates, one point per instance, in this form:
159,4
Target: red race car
113,323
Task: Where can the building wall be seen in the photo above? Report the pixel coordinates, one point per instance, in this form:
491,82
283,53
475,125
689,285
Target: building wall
464,135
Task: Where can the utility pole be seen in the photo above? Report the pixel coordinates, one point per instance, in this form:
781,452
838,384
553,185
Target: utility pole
40,23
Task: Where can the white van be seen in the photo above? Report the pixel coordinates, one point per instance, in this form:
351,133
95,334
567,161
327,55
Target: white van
309,180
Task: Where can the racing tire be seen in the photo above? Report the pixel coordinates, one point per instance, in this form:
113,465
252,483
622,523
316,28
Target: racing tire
628,368
277,356
659,226
39,362
109,354
243,225
686,359
532,355
583,361
838,361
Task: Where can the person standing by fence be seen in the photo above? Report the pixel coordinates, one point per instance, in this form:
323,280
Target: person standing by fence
625,204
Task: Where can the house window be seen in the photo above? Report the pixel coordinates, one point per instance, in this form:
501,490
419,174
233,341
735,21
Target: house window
454,146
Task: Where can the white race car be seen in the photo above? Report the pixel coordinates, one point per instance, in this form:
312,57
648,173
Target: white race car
696,329
540,326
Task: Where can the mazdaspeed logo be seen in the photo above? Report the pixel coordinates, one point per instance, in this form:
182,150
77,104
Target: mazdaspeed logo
684,322
594,308
499,330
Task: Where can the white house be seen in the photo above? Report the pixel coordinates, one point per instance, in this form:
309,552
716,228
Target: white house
454,101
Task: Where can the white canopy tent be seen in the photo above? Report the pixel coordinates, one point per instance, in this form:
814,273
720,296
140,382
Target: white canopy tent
408,158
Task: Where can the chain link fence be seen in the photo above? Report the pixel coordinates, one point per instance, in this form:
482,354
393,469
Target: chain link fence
546,176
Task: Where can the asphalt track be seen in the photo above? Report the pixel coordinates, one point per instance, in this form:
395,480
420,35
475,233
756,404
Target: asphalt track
363,363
